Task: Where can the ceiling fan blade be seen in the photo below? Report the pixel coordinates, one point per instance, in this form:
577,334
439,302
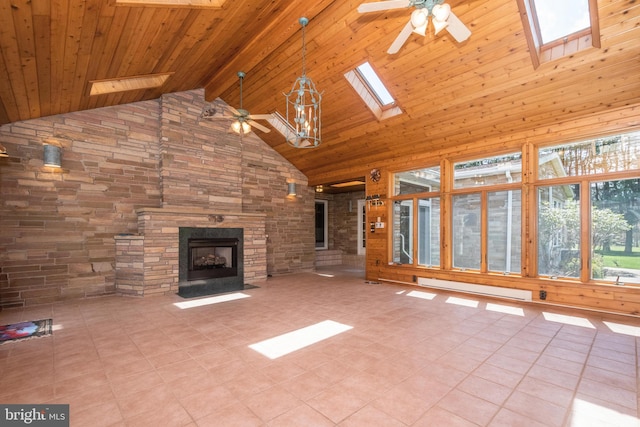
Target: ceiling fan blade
260,116
401,39
258,126
234,111
383,5
457,29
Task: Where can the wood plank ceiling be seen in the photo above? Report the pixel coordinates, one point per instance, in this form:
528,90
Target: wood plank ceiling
451,93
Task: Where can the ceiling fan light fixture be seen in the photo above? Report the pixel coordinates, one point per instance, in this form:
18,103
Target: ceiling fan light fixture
420,18
441,12
241,128
303,107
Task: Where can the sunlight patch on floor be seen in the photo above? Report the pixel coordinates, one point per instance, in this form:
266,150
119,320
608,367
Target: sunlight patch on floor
568,320
211,300
422,295
585,413
619,328
463,302
288,343
507,309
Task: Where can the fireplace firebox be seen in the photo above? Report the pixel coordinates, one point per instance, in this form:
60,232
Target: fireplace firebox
212,258
211,261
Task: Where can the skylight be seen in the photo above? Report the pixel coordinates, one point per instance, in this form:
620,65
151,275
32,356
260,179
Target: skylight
124,84
558,19
214,4
556,29
375,84
373,92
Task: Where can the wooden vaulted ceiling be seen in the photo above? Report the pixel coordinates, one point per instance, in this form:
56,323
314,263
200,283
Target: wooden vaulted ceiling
451,93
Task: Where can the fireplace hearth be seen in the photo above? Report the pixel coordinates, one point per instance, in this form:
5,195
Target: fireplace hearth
210,261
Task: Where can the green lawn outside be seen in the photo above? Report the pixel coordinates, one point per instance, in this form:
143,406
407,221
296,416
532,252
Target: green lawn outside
616,257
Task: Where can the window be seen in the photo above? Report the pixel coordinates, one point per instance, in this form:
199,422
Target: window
488,171
555,29
615,216
375,85
281,125
373,92
559,225
417,181
429,232
604,155
403,232
559,19
504,228
417,189
580,215
607,211
466,231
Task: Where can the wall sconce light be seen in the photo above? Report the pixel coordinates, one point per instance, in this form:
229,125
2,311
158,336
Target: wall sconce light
3,151
52,156
292,189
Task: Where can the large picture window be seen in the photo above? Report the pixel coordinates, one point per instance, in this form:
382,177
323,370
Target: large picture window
576,205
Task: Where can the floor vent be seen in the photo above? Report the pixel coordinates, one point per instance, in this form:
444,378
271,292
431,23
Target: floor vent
493,291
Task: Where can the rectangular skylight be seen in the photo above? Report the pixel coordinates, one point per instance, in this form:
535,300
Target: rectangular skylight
558,19
373,92
123,84
174,3
375,84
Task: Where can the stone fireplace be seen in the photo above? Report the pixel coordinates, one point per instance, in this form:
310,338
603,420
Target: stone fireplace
157,259
210,260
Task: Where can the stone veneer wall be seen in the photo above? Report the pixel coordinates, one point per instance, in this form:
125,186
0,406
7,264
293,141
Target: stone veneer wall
58,227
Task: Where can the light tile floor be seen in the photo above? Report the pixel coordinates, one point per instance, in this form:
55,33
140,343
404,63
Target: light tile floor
410,357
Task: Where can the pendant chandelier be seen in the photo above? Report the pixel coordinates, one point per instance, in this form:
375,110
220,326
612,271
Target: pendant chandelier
303,107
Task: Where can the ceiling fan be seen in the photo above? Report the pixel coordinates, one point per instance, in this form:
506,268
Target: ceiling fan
439,11
243,120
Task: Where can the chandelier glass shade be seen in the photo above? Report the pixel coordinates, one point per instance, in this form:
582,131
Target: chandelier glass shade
304,112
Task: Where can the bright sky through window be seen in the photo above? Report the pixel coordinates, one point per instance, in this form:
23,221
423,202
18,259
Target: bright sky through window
558,19
375,84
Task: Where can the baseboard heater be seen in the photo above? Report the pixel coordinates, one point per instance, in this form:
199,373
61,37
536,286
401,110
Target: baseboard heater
493,291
